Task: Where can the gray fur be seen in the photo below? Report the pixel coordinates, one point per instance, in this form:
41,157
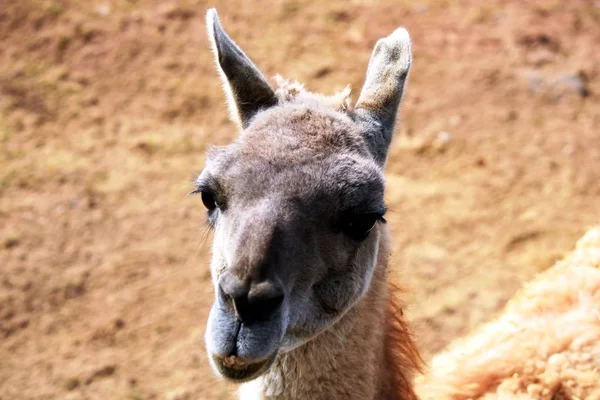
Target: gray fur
284,188
380,98
248,91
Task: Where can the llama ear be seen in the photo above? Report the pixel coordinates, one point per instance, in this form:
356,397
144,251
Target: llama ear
380,97
246,88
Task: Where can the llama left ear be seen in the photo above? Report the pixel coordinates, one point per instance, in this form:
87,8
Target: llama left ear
380,97
247,89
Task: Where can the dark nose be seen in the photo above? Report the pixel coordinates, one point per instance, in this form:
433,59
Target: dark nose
250,300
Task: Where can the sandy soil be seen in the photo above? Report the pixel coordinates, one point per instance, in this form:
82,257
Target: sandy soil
107,107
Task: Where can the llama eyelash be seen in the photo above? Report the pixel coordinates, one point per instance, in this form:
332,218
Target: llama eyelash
204,182
195,191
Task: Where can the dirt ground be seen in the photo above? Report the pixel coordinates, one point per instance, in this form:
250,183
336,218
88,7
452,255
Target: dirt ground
107,107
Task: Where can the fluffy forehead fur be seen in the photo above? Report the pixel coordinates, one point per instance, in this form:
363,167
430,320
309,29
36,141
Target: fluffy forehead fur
303,145
292,91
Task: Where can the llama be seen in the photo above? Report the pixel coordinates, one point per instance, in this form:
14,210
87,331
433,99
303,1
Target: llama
545,345
303,308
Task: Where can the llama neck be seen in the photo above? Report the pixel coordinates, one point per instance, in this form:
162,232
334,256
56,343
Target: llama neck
357,358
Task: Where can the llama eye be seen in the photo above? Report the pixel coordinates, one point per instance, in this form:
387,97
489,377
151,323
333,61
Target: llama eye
208,199
358,226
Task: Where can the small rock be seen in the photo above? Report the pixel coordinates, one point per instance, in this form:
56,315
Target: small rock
561,85
568,149
119,323
103,372
73,384
441,141
11,241
449,310
534,81
570,83
323,71
355,34
455,120
340,16
539,40
444,137
512,115
103,10
178,394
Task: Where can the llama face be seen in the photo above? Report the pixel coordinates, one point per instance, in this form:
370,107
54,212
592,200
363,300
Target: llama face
296,204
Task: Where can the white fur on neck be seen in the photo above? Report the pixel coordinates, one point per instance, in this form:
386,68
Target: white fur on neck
264,387
252,390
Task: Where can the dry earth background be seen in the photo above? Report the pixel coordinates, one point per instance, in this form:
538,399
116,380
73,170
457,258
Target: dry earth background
107,107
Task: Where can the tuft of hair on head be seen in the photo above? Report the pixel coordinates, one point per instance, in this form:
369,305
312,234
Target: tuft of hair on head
289,91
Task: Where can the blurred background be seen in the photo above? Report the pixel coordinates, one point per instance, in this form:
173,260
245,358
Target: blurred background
107,108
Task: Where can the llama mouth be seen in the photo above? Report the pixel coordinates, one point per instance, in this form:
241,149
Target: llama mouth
240,370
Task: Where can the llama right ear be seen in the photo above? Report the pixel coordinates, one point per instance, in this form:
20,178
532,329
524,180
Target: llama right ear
380,97
246,88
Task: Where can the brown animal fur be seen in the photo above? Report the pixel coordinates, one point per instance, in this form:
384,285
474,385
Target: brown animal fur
545,345
402,358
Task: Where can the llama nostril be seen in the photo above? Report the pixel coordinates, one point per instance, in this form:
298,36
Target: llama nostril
232,292
263,300
264,304
236,303
250,303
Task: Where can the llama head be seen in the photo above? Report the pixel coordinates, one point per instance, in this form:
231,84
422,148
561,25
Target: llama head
296,204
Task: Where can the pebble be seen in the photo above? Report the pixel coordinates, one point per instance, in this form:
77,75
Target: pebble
103,10
558,86
570,82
